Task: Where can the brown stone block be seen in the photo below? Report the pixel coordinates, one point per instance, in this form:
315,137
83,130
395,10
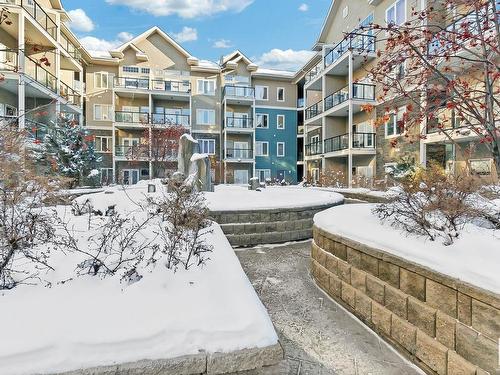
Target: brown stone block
314,269
412,284
381,318
445,329
465,309
459,366
432,353
323,278
389,273
375,289
354,257
441,297
422,316
329,246
476,348
363,306
396,301
331,263
358,279
335,289
314,251
348,294
340,251
321,238
344,271
486,319
321,257
404,333
369,264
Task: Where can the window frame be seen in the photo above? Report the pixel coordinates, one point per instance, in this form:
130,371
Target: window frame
256,120
393,6
198,117
207,141
278,149
131,69
206,81
109,112
278,122
262,143
397,132
109,142
266,90
101,74
278,94
266,172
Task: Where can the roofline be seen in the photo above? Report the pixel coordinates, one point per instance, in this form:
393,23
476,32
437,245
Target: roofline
325,23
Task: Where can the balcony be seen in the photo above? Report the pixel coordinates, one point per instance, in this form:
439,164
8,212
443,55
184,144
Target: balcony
314,110
239,92
313,149
171,86
337,143
239,154
70,48
133,152
361,43
314,73
341,142
170,119
72,96
132,117
239,123
39,15
131,83
8,60
360,92
337,98
36,71
363,140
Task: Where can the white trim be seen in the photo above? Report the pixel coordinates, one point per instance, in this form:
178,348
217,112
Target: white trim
277,149
265,115
101,73
259,99
257,174
277,107
109,141
262,142
109,112
278,122
198,110
208,140
278,96
204,80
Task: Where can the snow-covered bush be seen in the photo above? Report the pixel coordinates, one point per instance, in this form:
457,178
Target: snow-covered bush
435,204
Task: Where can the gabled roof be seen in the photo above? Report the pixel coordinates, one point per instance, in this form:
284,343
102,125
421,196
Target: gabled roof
327,24
144,35
236,56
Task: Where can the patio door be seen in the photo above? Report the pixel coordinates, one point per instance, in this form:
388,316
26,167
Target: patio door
363,136
241,176
130,176
128,144
241,120
241,150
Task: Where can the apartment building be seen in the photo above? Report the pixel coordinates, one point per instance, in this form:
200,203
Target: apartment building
340,139
41,71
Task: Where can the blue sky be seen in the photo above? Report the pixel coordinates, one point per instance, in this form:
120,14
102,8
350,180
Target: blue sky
274,33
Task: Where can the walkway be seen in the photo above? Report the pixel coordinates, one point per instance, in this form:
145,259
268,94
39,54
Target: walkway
318,336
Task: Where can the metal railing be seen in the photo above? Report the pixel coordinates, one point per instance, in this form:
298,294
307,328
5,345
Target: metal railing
40,16
363,91
8,60
246,92
239,153
314,110
314,72
171,86
353,41
170,119
337,143
69,94
341,142
35,70
70,47
131,83
239,122
314,148
132,117
132,152
363,140
336,98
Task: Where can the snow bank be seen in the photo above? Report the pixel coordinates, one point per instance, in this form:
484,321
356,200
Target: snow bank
473,258
88,321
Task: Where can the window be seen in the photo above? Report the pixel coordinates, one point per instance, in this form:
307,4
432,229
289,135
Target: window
207,146
130,69
206,86
280,95
101,80
391,127
396,13
262,121
145,70
103,112
205,117
261,92
280,149
263,174
280,122
144,172
103,144
261,148
106,176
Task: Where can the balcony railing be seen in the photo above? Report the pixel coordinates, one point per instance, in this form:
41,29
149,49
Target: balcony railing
131,83
336,98
353,41
314,148
363,140
70,94
70,47
363,91
314,110
171,86
244,92
170,119
37,12
239,153
132,152
35,70
341,142
132,117
8,60
239,123
314,72
337,143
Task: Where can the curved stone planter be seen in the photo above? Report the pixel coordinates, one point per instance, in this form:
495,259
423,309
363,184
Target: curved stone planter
444,325
267,226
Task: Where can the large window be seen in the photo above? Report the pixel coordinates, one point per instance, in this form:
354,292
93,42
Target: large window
103,112
206,86
396,13
280,121
103,144
205,117
262,121
261,92
392,128
280,149
207,146
101,80
261,148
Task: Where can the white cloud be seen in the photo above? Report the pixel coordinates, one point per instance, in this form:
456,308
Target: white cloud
222,43
304,7
80,21
284,59
188,34
184,8
125,36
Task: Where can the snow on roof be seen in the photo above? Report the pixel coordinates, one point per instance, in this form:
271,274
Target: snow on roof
275,72
99,54
208,64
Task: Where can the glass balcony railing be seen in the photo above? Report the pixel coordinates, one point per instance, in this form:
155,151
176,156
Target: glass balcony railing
239,123
70,48
314,148
8,60
239,153
341,142
171,86
170,119
314,110
132,151
352,42
245,92
363,140
314,72
336,98
39,15
337,143
131,83
71,95
35,70
132,117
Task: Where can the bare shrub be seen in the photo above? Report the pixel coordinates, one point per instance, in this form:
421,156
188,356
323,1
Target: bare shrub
436,205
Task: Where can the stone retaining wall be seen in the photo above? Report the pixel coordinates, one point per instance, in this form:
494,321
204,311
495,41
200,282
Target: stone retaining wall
256,227
444,325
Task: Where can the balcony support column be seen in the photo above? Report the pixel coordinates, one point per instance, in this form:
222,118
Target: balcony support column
113,154
21,93
150,133
350,122
254,133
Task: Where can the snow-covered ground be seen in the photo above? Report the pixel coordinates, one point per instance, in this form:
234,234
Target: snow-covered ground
473,258
89,321
225,197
